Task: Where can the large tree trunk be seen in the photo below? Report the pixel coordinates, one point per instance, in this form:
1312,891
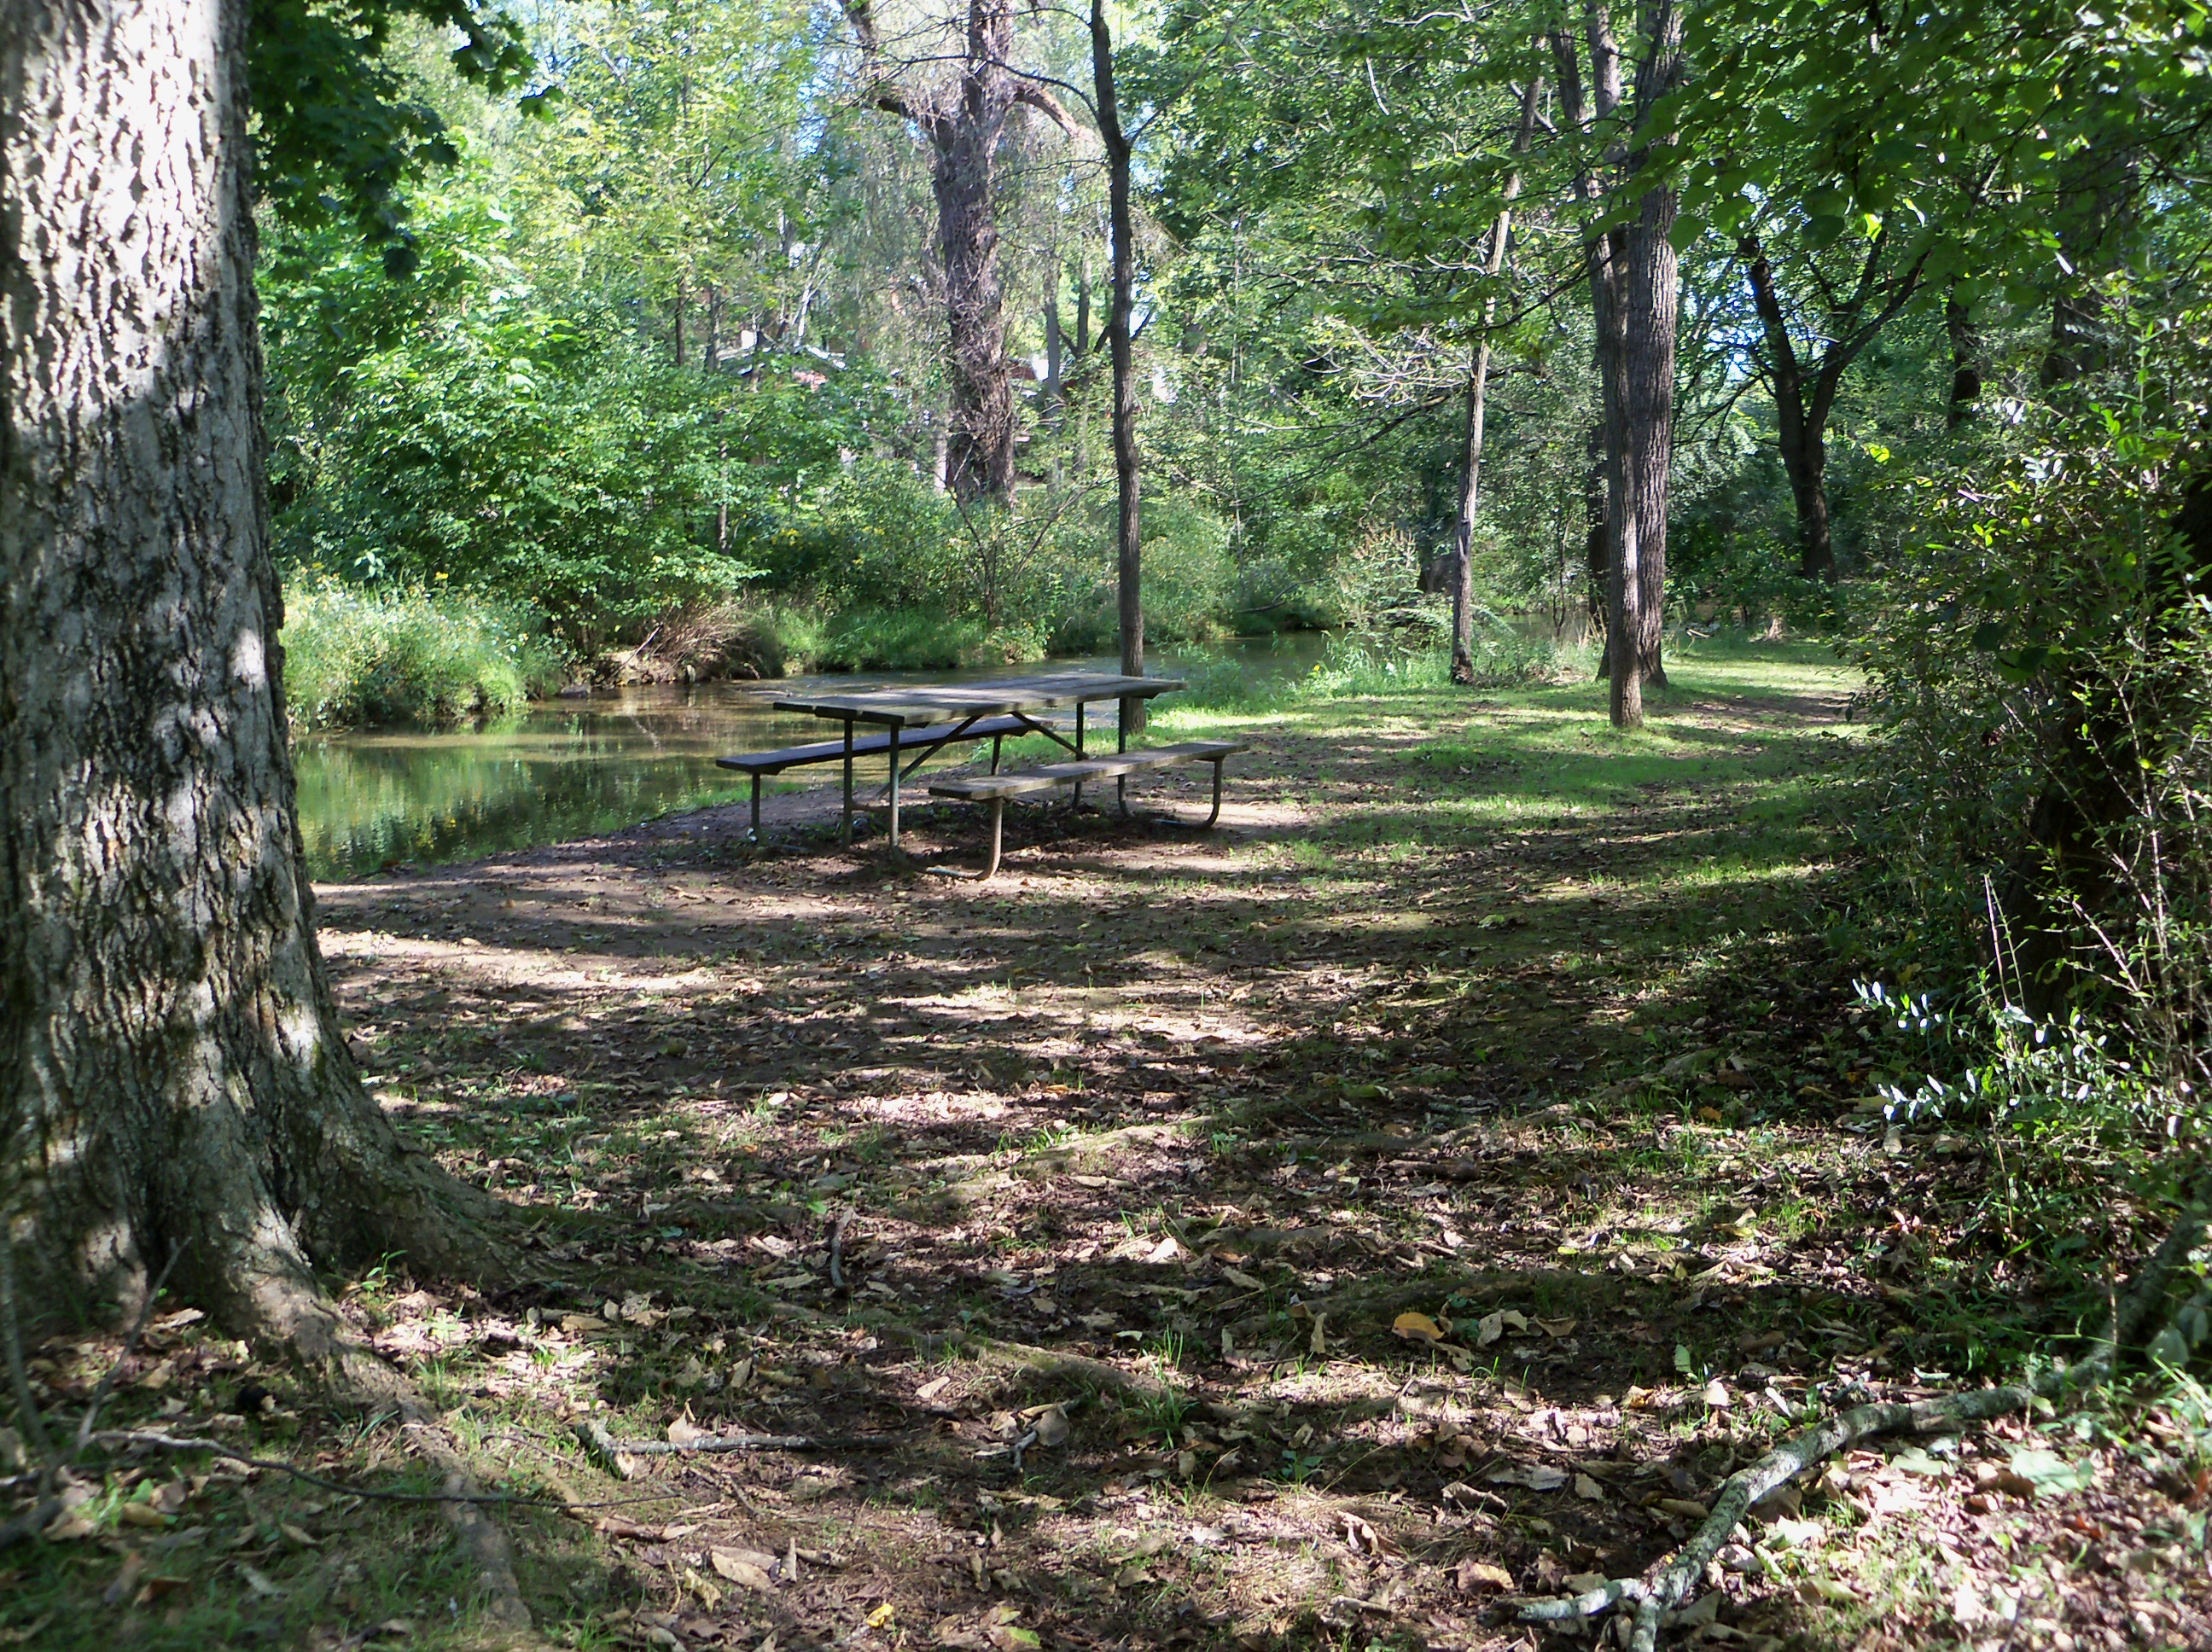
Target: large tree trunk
965,121
1129,538
174,1084
980,459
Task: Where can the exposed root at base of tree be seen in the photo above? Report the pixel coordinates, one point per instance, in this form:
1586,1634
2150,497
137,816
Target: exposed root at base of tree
1665,1585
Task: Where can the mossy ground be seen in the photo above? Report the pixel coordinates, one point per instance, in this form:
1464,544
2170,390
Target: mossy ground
1472,1009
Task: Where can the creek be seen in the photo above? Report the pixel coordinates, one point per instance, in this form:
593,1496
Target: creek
571,768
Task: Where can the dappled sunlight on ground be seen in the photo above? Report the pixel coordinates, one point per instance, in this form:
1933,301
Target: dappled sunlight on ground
1472,1009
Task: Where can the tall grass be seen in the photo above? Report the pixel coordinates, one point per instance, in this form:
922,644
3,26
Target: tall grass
354,656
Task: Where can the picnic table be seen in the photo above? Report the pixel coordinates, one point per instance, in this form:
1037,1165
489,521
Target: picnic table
939,714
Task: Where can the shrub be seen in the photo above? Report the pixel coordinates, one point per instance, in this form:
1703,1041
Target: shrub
2038,805
352,656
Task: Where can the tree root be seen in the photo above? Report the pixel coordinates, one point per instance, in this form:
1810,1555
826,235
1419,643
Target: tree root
1661,1589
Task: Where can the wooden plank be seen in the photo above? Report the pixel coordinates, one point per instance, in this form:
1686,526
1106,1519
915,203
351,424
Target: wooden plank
1130,763
996,786
907,706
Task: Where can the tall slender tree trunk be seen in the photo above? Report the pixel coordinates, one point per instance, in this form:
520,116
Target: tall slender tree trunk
1478,390
1080,456
1055,345
174,1084
1624,591
1651,301
1129,538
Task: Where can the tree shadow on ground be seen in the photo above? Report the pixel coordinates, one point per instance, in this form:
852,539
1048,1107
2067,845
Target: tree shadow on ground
1545,1053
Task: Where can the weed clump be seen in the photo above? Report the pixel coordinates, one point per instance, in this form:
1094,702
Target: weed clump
354,656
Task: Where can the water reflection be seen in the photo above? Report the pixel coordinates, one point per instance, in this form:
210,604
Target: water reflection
572,768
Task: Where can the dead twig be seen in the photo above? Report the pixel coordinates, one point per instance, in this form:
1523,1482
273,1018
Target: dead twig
838,1249
1661,1589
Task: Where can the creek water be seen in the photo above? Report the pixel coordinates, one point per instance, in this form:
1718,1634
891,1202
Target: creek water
570,768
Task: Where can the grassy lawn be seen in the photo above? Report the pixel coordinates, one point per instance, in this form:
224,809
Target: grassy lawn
1131,1165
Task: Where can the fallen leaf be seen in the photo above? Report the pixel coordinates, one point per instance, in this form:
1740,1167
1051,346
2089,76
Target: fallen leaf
932,1388
143,1514
1488,1329
1317,1344
1555,1327
1683,1507
1052,1427
2049,1473
258,1581
1787,1533
683,1431
1417,1327
1588,1489
1166,1251
1473,1575
1242,1281
1715,1395
1537,1477
742,1572
882,1615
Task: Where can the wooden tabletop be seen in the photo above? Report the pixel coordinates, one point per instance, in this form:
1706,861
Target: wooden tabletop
906,706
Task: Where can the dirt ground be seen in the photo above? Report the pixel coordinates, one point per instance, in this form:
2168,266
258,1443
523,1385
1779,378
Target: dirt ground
1332,1230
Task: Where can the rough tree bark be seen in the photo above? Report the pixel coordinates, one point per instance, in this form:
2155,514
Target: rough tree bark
1585,105
173,1082
1128,537
1650,302
963,117
1478,390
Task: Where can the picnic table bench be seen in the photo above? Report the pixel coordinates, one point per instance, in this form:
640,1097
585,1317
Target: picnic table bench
925,741
995,788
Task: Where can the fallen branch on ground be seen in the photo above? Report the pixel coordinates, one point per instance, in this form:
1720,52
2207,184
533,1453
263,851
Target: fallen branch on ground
609,1451
1661,1589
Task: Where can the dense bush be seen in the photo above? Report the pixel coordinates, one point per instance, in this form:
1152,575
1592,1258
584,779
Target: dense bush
352,656
2039,809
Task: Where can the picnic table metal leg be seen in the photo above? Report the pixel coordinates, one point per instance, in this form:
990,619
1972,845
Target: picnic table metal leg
1076,802
998,827
756,781
895,780
845,836
1121,744
996,741
1216,814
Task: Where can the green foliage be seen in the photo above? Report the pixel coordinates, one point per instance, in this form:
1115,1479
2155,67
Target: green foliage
457,429
357,657
340,130
2039,807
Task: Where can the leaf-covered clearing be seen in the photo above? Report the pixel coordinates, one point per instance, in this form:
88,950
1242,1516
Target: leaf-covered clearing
1416,1196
